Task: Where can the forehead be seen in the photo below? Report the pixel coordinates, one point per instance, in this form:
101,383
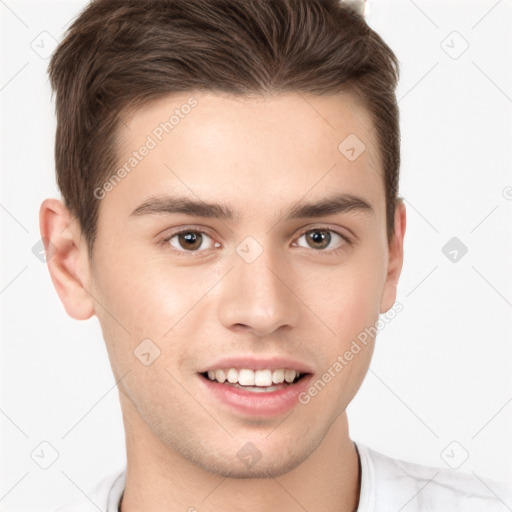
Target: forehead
306,116
215,145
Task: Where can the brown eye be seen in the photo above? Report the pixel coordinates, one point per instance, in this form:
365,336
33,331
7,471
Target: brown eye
318,239
189,241
322,240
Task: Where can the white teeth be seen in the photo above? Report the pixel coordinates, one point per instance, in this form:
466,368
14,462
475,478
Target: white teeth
220,375
256,389
262,378
248,377
289,375
232,375
278,376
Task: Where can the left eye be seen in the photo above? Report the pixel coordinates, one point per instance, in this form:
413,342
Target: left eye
320,239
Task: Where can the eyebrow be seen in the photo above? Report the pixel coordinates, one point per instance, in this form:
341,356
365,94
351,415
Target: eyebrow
340,203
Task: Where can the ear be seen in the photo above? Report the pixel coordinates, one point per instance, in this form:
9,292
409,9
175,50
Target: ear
396,258
67,258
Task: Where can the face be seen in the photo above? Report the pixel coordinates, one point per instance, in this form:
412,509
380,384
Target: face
258,282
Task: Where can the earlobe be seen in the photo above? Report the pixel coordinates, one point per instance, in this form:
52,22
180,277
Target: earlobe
67,258
396,258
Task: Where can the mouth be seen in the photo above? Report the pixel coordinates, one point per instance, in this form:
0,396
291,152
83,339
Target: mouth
255,380
255,393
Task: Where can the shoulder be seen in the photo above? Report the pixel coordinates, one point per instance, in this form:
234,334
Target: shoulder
392,484
105,495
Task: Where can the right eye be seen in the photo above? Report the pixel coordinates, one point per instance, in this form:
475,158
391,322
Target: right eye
189,241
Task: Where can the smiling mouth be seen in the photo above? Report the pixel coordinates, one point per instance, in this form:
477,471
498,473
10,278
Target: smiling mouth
257,381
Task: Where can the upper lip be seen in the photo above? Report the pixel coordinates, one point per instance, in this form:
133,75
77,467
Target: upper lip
257,363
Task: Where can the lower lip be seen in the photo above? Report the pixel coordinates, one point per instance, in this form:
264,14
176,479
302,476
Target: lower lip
250,403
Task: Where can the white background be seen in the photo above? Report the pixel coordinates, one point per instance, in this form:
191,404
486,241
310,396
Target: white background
441,370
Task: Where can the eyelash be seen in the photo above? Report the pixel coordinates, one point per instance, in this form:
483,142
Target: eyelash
346,241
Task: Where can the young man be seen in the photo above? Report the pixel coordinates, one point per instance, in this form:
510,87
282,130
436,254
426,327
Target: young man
229,172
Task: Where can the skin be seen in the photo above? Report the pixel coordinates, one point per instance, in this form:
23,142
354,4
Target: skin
260,156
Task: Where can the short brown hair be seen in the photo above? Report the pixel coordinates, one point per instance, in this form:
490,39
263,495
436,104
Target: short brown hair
120,54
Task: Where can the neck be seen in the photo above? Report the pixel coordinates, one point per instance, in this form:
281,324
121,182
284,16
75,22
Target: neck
160,479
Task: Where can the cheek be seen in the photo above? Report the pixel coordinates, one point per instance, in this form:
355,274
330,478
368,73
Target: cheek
349,299
148,298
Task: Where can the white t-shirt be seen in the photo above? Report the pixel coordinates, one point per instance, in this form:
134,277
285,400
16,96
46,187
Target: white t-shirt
387,485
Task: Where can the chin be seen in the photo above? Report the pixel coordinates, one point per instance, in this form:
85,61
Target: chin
261,470
276,457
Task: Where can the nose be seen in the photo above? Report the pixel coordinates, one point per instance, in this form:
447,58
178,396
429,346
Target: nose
258,296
